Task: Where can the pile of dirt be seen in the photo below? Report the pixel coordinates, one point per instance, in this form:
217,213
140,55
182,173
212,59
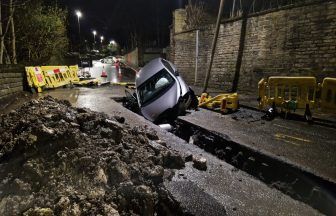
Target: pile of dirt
59,160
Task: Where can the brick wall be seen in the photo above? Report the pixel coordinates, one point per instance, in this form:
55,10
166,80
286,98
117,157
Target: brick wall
292,41
11,80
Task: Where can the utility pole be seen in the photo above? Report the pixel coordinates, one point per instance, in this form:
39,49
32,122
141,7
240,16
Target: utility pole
196,57
233,8
13,36
2,43
214,43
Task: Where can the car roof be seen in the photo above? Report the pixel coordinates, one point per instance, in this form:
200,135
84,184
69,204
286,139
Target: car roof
149,70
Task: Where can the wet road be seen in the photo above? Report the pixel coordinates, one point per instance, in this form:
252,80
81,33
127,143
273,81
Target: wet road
109,73
220,190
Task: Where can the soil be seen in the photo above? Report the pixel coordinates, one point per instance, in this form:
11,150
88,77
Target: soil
59,160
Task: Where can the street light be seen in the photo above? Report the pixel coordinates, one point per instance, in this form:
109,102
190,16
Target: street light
94,36
101,39
112,42
113,47
79,15
94,32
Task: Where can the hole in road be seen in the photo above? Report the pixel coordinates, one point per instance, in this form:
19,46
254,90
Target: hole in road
292,181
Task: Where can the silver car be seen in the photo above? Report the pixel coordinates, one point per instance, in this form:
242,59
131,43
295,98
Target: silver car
161,92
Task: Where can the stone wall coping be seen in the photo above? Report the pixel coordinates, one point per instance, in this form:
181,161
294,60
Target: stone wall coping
230,20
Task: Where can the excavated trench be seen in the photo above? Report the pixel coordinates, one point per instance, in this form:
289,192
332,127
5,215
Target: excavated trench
290,180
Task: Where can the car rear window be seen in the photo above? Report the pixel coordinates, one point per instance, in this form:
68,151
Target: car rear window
155,86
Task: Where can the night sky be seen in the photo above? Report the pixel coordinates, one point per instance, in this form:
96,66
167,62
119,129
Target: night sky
119,19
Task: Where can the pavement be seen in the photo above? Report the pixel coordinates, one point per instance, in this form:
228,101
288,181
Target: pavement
221,189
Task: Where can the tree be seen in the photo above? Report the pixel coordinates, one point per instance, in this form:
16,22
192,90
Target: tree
1,36
13,36
112,48
5,15
7,32
42,33
195,14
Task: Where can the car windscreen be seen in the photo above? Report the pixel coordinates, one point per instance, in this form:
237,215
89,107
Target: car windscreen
155,86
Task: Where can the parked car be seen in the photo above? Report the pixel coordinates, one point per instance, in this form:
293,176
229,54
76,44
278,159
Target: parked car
108,60
161,93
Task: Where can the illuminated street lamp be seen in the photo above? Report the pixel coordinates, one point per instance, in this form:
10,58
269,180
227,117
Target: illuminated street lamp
101,39
113,46
94,36
112,42
79,15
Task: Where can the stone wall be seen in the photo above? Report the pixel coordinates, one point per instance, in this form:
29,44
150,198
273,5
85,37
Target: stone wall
11,80
179,18
132,58
294,41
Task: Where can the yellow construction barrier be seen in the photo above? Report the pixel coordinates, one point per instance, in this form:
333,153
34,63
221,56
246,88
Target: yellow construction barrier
328,94
63,70
124,83
56,76
289,93
77,81
73,69
35,78
222,102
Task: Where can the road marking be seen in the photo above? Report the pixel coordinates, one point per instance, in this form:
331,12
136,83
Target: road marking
290,139
282,126
287,141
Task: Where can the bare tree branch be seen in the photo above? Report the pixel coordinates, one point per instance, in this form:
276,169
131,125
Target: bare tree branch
195,14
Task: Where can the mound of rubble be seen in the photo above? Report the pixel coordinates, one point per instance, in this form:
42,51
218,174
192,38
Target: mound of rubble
59,160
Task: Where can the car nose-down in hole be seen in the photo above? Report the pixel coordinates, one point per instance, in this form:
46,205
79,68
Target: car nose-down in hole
161,93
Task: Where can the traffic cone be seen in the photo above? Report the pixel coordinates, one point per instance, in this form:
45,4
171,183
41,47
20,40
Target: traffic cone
103,74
